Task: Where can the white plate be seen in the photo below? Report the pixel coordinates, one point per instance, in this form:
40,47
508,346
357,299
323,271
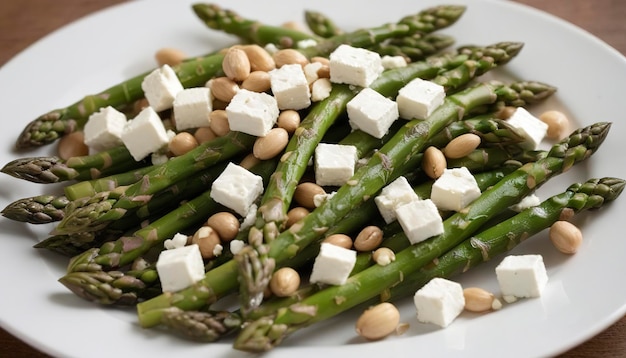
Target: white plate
110,46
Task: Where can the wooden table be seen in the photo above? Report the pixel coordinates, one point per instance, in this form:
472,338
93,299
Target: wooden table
25,21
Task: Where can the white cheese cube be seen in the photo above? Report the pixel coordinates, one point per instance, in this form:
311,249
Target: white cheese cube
419,220
419,99
522,275
180,268
237,188
354,66
144,134
160,88
396,193
192,107
333,265
527,202
253,113
530,127
455,189
320,89
334,163
290,87
104,128
372,112
391,62
440,302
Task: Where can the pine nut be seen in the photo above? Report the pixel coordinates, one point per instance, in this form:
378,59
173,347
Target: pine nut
219,122
368,239
305,192
182,143
284,282
72,145
296,214
225,224
557,123
461,146
565,236
236,64
257,81
169,56
433,162
341,240
478,299
271,145
378,322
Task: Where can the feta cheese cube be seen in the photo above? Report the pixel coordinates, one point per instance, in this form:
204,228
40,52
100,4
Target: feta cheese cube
320,89
440,302
333,265
252,112
354,66
144,134
530,127
455,189
237,188
192,107
522,275
372,112
104,128
396,193
419,99
161,87
419,220
290,87
334,163
180,268
391,62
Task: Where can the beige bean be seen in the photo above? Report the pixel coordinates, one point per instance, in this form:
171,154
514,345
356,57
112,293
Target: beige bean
207,239
478,299
284,282
383,256
341,240
368,239
223,88
169,56
506,112
271,145
236,64
296,214
557,123
182,143
257,81
225,224
378,321
289,120
305,192
289,56
249,161
204,134
260,60
433,162
72,145
219,122
566,237
461,146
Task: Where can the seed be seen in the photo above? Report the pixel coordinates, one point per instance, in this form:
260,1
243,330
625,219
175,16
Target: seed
461,146
260,60
557,123
258,81
72,145
341,240
182,143
249,161
273,143
223,88
206,238
506,112
383,256
169,56
305,192
566,237
378,322
204,134
296,214
433,162
225,224
289,56
478,299
289,120
284,282
368,239
236,64
219,122
323,60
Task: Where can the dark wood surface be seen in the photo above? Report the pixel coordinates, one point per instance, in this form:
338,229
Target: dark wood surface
24,22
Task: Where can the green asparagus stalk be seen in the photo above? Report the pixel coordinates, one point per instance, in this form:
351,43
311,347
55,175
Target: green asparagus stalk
223,279
41,209
414,47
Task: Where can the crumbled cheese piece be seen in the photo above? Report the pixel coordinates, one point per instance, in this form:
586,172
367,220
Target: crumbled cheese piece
290,87
310,71
158,158
160,87
333,264
319,199
419,220
144,134
354,66
391,62
509,298
179,240
530,127
320,89
192,107
306,43
180,268
455,189
253,113
104,128
334,163
236,246
372,112
393,195
527,202
271,48
217,250
250,218
522,276
496,304
237,188
440,302
419,99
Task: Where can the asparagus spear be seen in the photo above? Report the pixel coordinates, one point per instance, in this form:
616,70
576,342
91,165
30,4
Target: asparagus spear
321,25
403,146
415,46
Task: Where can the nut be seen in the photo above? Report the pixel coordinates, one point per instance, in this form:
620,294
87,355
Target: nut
434,162
257,81
506,112
378,322
296,214
225,224
182,143
284,282
289,120
305,192
204,134
207,239
383,256
273,143
557,123
478,299
219,122
368,239
72,145
565,236
249,161
289,56
236,65
260,60
169,56
223,88
341,240
461,146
